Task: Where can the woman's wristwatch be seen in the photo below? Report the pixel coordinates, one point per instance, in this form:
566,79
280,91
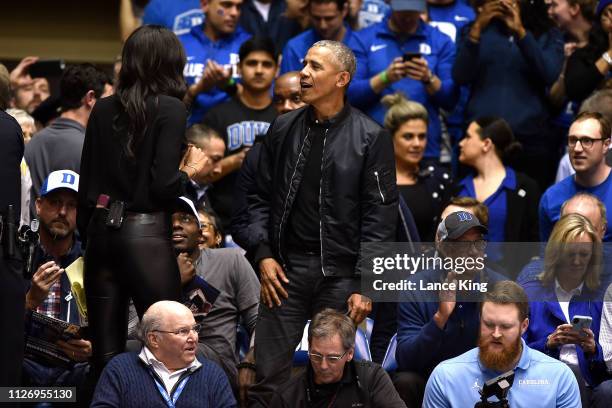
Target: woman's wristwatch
606,56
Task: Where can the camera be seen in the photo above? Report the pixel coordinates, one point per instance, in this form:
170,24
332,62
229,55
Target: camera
498,387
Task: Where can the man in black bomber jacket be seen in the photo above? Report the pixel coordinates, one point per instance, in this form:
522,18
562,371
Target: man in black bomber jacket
326,183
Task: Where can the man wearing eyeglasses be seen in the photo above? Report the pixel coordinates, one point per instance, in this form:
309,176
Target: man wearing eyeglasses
166,372
437,324
333,378
588,143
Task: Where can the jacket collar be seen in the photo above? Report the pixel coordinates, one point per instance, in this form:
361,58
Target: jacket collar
329,123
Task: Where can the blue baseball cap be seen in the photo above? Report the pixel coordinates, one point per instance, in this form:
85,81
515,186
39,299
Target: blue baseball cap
60,179
458,223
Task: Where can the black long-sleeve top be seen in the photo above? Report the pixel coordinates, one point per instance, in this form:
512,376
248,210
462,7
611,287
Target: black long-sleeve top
581,75
149,182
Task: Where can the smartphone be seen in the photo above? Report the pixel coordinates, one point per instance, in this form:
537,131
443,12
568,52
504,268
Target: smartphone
411,55
47,68
581,322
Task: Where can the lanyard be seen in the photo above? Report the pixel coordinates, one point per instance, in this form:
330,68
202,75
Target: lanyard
177,393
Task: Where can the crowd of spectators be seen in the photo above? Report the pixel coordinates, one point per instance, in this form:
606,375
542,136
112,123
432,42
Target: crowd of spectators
459,114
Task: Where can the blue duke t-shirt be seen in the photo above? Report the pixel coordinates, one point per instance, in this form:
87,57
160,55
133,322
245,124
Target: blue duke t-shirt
177,15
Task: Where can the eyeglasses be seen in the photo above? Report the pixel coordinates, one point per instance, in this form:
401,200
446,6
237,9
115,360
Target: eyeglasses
207,226
183,331
318,358
478,245
586,142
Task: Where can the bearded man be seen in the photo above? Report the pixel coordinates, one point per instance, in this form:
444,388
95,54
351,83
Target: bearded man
538,379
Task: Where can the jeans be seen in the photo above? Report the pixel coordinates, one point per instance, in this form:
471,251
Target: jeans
279,329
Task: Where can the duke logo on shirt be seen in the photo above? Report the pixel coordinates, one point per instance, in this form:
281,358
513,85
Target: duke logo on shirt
243,133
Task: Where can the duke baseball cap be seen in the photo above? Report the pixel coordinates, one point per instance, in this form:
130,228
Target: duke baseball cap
409,5
183,203
60,179
458,223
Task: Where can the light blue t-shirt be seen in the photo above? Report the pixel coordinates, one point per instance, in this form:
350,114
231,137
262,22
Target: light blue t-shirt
539,381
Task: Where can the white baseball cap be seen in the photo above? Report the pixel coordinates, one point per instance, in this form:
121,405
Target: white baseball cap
60,179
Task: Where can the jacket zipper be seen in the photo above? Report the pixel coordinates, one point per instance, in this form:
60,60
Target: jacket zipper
320,206
280,227
379,189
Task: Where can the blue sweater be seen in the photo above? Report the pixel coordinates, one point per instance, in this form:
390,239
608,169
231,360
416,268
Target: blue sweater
545,315
126,382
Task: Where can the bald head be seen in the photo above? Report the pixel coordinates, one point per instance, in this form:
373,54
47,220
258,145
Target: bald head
160,312
590,207
287,93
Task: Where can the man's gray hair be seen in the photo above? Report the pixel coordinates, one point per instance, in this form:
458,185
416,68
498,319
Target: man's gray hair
327,323
344,56
149,323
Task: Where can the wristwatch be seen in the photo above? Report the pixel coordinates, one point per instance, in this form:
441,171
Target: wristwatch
606,56
430,79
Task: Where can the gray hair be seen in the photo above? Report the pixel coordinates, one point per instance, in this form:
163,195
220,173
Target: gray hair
149,323
343,54
328,323
22,117
584,196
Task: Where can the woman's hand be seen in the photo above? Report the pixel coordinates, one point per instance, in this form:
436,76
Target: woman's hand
194,161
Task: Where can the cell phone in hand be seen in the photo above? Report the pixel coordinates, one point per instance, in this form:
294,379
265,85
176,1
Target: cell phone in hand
411,55
47,68
581,322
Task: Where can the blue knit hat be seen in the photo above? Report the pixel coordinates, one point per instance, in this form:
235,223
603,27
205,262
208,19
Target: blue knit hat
602,5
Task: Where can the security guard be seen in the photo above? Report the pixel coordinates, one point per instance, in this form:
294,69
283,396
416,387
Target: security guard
12,297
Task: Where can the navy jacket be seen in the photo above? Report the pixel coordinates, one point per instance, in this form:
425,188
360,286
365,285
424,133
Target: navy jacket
508,78
421,344
545,315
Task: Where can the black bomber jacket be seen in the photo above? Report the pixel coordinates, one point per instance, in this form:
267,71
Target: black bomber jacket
359,198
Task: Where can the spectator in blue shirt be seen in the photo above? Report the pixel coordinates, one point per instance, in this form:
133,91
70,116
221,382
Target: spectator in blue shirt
450,16
538,379
508,57
327,18
588,142
212,56
567,287
405,54
364,13
512,197
431,330
179,16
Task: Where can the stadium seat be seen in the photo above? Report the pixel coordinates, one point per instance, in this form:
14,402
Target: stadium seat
389,363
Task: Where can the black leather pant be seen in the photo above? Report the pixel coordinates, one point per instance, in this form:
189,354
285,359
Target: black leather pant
135,261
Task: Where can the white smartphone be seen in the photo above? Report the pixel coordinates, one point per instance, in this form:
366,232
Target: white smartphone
581,322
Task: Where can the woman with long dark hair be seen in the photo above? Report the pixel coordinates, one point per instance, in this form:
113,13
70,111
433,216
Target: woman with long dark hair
132,172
